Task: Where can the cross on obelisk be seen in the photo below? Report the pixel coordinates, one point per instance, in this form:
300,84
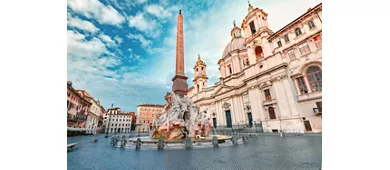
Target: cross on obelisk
180,85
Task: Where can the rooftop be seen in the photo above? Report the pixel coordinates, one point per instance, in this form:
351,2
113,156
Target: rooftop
151,105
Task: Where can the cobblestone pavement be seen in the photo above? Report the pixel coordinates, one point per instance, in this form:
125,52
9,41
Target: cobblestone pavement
261,153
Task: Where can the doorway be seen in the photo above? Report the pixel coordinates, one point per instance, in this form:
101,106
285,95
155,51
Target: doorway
307,125
215,122
250,119
228,119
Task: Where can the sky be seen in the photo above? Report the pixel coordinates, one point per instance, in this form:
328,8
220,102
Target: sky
122,52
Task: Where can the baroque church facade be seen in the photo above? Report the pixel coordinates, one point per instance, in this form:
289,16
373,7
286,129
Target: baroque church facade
272,79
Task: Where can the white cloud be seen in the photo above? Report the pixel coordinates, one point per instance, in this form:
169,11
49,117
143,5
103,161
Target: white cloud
145,43
95,9
141,1
134,57
79,46
81,24
144,24
158,11
118,39
140,22
107,39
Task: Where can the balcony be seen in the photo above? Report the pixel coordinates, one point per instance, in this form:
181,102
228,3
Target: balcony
310,96
269,101
72,119
317,111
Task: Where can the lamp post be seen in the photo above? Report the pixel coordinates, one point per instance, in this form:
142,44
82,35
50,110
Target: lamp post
93,125
281,130
254,123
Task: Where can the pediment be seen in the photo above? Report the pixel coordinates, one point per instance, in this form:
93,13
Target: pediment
222,89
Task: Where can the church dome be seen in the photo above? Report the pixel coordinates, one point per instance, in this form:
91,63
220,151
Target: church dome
236,44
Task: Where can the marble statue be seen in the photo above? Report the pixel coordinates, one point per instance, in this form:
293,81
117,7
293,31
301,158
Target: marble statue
180,119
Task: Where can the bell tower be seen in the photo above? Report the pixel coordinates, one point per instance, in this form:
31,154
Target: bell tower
200,75
256,30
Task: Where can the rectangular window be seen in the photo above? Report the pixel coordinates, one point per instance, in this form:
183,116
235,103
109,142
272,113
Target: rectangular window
318,41
302,85
279,43
230,69
319,105
304,48
286,38
252,26
291,55
267,95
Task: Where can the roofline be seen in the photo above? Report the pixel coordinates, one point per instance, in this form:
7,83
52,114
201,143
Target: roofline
153,105
294,21
74,91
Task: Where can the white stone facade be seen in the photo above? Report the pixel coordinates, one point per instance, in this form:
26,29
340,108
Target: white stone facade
95,110
117,122
275,81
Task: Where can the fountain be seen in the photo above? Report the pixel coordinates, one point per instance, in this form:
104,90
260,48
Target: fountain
180,120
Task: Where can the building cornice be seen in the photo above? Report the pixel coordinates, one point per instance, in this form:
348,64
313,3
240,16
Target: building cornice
266,71
150,105
232,52
257,34
317,8
77,94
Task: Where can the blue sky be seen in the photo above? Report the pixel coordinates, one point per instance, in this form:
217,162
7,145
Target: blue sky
123,51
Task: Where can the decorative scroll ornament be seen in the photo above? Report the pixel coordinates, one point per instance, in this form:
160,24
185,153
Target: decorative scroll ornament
226,105
247,108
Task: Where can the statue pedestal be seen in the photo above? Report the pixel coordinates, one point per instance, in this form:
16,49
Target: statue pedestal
180,85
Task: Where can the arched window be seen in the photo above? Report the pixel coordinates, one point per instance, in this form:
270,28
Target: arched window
298,31
311,24
271,112
259,52
314,76
197,86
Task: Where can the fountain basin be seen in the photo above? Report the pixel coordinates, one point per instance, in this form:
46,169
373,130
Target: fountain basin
149,140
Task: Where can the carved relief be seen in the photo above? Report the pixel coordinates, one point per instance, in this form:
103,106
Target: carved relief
247,108
226,105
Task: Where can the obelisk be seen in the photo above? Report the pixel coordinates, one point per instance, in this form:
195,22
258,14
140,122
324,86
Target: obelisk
180,85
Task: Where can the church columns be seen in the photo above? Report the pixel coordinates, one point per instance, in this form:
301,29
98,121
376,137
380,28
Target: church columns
236,64
233,110
241,112
221,112
222,68
254,103
290,97
251,54
236,110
